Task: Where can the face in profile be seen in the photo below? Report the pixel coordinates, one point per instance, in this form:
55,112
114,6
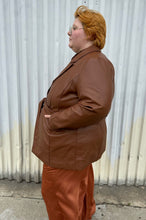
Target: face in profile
77,37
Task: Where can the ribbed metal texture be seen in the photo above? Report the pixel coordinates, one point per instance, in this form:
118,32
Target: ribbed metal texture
34,49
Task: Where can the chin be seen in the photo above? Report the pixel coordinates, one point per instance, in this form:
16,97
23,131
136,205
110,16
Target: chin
70,45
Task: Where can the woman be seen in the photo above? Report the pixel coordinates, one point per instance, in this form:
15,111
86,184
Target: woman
70,130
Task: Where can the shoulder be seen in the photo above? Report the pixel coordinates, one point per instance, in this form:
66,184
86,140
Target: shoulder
96,59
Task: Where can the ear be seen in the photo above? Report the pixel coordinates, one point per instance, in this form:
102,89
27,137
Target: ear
89,37
92,37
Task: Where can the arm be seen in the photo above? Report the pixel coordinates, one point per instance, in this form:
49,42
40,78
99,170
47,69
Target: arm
95,91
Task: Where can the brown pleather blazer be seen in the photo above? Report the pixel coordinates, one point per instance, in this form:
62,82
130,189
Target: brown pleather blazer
78,100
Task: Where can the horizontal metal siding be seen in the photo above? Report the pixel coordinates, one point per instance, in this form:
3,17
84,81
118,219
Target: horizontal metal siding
34,49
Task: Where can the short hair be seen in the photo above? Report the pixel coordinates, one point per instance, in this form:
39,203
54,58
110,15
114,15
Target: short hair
94,25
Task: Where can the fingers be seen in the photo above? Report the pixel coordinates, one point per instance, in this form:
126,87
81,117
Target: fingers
47,116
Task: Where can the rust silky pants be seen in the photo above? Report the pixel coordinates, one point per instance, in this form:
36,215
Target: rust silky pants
68,194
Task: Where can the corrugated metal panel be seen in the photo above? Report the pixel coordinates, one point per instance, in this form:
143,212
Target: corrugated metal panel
34,49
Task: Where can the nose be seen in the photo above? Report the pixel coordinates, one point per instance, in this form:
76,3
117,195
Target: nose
69,33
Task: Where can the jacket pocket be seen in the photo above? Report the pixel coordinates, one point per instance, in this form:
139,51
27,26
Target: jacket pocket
63,148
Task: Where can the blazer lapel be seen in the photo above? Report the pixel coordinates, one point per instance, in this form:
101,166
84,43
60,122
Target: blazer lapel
64,70
75,58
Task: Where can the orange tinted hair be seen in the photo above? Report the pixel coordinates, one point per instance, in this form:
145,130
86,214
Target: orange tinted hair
94,25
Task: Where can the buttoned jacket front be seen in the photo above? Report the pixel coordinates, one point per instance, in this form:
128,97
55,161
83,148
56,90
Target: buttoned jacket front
78,100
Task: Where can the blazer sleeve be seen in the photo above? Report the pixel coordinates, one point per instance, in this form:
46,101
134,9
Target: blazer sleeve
95,89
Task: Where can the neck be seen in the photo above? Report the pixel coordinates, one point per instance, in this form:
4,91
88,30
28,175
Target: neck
89,44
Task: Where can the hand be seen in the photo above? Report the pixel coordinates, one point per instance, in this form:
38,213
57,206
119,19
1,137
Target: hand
47,116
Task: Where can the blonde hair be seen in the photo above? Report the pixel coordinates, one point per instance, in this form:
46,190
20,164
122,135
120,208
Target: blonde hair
94,25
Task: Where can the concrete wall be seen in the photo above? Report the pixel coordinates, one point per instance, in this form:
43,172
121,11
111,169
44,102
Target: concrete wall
34,49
